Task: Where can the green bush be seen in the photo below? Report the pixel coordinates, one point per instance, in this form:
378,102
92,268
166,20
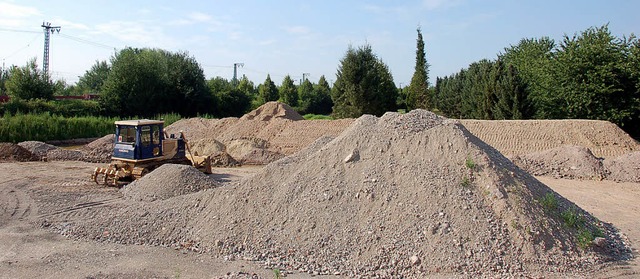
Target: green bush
317,117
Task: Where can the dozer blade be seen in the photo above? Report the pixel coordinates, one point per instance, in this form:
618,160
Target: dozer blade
202,163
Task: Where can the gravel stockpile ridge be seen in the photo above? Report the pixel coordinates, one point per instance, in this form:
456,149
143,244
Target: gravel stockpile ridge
572,162
401,196
100,150
37,148
168,180
66,155
625,168
11,152
271,110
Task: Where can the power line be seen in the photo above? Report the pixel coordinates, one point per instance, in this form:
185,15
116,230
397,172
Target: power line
85,41
22,48
19,31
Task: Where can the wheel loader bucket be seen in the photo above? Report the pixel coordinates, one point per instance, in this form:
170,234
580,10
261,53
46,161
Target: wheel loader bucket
202,163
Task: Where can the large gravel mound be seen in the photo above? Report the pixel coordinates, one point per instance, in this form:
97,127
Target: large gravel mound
100,150
625,168
411,195
521,137
37,148
60,154
168,180
572,162
10,152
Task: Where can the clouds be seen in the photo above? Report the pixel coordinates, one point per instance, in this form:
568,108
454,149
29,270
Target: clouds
12,15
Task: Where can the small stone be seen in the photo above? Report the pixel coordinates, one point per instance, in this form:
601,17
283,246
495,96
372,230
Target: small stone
353,156
600,241
415,260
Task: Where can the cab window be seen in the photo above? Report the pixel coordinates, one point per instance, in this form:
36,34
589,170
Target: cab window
155,140
145,135
127,135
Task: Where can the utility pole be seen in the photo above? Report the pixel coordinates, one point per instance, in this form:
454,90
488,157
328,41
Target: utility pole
305,76
235,71
48,29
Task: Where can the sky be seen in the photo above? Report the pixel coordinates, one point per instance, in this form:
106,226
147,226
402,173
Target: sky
295,37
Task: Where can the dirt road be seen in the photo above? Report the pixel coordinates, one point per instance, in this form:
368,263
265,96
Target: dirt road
35,191
32,193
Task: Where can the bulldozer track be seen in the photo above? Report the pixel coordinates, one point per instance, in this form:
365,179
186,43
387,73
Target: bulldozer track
15,203
71,211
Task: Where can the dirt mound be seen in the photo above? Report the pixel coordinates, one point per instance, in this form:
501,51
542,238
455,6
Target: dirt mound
100,150
223,159
65,155
260,157
169,180
37,148
10,152
238,148
625,168
206,146
410,195
573,162
272,110
521,137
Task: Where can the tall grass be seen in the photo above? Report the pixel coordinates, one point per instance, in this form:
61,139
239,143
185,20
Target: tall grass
46,126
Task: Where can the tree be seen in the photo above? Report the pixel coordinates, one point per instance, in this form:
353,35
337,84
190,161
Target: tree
267,91
28,82
321,98
418,95
532,59
146,82
4,76
94,78
363,85
288,92
305,96
593,78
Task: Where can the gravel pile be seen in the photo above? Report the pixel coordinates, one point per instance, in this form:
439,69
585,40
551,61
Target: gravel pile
60,154
100,150
412,196
168,180
11,152
625,168
572,162
38,148
223,159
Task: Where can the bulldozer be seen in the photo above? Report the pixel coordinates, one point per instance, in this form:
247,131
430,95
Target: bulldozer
141,146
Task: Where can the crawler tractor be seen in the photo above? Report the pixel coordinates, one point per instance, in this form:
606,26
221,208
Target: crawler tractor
141,146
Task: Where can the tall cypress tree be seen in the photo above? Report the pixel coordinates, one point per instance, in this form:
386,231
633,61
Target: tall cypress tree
418,96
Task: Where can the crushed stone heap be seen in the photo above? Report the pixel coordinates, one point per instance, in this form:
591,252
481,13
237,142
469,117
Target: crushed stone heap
38,148
412,195
11,152
625,168
168,180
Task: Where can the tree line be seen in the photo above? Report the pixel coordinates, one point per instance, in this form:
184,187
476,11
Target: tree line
590,75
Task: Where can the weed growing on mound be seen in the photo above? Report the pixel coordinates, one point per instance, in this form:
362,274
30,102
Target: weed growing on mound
549,202
470,163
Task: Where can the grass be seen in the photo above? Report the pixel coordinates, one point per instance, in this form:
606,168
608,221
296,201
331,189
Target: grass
549,202
470,163
45,126
466,183
277,274
317,117
572,218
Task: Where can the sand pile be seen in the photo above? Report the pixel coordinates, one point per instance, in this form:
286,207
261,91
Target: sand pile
572,162
271,110
521,137
625,168
411,195
260,136
37,148
206,146
10,152
168,180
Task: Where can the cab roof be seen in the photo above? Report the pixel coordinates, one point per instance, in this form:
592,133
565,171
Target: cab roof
139,122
